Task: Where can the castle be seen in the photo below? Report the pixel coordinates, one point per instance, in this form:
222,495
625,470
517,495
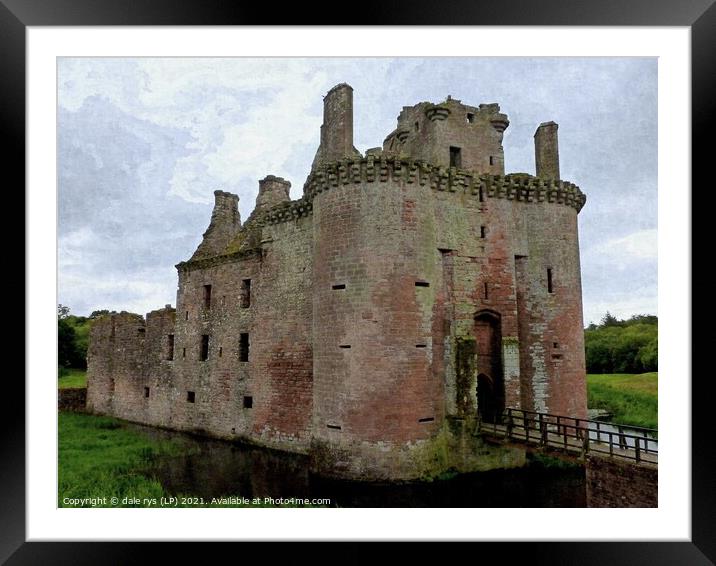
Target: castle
372,322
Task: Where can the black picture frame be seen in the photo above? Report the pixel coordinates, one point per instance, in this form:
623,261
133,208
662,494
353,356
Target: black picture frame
699,15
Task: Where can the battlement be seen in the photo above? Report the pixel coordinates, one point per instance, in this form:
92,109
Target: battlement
373,169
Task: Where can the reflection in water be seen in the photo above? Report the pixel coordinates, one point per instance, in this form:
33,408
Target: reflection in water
215,468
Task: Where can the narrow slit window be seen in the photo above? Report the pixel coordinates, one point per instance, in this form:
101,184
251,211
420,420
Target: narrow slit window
146,392
455,157
248,402
426,420
338,286
190,397
204,353
483,231
186,315
492,160
183,352
170,347
221,350
244,347
333,427
245,293
421,345
485,291
550,288
422,284
207,296
344,346
481,194
417,126
555,344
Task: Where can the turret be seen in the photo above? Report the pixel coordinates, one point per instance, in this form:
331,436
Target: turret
272,191
547,151
225,223
337,128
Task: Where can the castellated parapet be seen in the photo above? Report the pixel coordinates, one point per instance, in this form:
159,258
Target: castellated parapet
408,294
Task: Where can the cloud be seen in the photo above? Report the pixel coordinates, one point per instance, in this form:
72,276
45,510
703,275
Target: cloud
143,143
623,251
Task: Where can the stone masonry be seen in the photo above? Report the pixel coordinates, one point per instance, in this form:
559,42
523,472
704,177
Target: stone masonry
372,322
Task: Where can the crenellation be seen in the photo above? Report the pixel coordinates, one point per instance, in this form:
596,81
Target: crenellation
373,322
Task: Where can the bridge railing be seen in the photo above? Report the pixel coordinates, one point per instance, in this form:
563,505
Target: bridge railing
574,435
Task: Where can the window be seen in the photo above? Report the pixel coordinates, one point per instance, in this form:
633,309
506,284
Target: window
470,118
248,402
245,293
426,420
170,347
492,160
455,157
146,392
422,284
190,396
204,353
483,231
207,296
244,347
344,346
221,351
186,315
549,281
481,194
183,352
338,286
485,291
417,126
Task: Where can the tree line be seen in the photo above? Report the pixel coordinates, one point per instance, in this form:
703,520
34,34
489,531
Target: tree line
622,346
73,337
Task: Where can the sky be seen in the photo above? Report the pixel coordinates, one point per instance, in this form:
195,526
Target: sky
144,142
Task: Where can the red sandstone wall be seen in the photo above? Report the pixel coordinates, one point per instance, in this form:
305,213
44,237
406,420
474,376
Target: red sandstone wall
614,483
373,241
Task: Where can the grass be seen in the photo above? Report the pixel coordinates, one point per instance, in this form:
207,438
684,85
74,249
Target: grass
631,398
73,378
101,458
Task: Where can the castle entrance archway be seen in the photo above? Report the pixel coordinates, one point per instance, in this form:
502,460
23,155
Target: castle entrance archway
490,384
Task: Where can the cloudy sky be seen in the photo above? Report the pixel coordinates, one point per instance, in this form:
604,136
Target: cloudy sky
143,143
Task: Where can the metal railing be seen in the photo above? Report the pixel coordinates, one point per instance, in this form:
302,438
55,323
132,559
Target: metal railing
575,436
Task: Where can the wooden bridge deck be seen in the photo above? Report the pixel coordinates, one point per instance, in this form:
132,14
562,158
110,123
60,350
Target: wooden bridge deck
575,437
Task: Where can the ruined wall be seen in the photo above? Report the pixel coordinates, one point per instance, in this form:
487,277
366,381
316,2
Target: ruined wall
72,399
615,483
259,387
115,363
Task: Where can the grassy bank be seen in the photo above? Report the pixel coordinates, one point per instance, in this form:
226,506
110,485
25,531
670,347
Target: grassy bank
73,378
102,458
631,398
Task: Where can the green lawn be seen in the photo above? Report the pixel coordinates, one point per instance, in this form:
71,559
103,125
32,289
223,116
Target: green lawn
73,378
631,398
100,457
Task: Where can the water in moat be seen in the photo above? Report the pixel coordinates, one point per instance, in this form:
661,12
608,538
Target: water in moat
214,468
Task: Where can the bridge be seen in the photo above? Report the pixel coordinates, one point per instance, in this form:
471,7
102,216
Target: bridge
620,461
573,437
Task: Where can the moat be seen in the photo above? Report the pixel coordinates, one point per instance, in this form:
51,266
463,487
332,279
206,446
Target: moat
214,468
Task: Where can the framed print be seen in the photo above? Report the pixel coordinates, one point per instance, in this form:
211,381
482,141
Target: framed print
79,83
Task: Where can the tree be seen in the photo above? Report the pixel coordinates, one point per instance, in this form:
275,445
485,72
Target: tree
622,346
